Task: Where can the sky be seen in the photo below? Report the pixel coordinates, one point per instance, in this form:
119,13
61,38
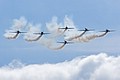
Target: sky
93,14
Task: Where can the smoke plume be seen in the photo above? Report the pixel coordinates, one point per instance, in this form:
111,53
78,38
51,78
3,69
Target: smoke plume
54,28
18,24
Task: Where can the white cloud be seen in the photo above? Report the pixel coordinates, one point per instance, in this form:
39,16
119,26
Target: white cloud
93,67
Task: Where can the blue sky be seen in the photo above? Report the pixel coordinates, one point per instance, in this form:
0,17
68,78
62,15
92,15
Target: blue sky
97,14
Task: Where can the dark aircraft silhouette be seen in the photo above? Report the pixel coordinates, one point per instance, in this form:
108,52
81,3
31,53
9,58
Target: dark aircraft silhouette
84,31
17,33
40,35
66,28
106,31
87,30
65,42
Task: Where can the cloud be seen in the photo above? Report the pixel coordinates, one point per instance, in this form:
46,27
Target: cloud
93,67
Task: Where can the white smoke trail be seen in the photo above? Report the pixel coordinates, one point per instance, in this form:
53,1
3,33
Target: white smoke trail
58,47
69,22
53,28
9,35
30,36
71,35
93,67
75,35
18,24
48,42
89,37
85,37
56,33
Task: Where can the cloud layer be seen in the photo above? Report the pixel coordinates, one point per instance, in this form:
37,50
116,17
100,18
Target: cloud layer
93,67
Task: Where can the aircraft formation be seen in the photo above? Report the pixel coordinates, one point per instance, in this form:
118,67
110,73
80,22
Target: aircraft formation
70,34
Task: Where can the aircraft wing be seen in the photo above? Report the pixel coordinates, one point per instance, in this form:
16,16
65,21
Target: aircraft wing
65,28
